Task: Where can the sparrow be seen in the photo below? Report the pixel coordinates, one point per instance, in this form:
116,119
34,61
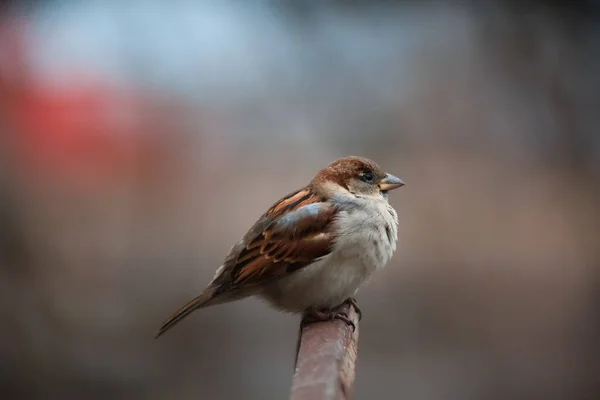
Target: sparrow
311,250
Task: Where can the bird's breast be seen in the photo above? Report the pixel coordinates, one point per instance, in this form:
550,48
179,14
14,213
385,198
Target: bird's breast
368,233
365,241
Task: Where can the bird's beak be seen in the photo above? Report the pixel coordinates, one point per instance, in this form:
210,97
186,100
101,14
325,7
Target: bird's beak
390,182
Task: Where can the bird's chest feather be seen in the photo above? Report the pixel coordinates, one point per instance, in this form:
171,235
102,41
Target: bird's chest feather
368,233
366,240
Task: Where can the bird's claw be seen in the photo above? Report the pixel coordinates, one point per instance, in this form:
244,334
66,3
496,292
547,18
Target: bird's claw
321,315
352,301
342,316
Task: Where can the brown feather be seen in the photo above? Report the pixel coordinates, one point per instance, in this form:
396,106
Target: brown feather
200,301
291,202
285,248
345,169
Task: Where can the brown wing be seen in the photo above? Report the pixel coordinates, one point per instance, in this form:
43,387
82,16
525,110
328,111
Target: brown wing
292,234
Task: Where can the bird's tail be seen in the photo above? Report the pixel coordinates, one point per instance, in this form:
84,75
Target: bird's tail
201,301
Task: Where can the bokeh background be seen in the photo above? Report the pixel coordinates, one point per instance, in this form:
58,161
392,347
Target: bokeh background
140,140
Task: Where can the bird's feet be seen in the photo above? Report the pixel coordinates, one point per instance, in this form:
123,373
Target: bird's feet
313,315
352,301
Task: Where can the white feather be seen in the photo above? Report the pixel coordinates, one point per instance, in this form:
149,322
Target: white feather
362,247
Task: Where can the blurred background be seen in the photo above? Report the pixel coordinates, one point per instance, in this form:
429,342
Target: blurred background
140,140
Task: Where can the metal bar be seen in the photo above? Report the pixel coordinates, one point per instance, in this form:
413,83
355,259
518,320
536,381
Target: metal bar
326,360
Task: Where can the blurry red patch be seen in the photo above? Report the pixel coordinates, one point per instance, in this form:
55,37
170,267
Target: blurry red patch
86,134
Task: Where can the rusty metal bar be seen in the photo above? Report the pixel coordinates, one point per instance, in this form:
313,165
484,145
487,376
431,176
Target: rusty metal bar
326,360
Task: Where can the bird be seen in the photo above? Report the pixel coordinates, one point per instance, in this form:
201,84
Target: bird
312,249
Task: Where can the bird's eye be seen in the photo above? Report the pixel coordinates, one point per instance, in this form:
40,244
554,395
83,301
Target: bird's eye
367,177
